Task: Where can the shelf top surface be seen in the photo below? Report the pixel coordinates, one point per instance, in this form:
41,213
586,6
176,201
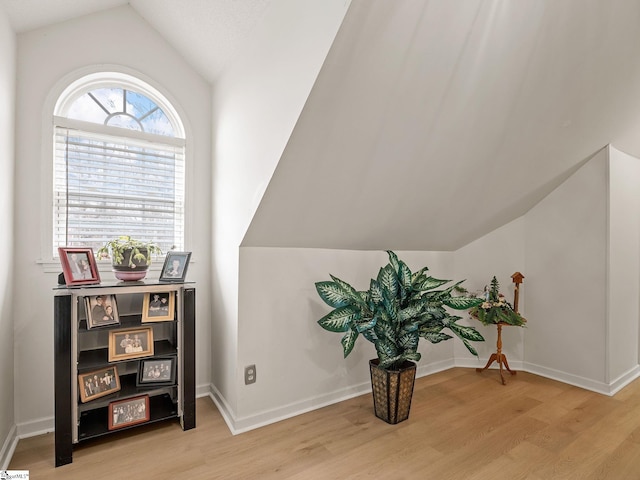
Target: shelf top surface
121,284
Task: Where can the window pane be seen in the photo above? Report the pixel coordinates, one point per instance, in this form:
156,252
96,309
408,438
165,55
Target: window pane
111,99
106,186
121,108
85,108
158,123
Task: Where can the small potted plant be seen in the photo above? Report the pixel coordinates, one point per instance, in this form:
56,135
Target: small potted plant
130,258
398,309
495,309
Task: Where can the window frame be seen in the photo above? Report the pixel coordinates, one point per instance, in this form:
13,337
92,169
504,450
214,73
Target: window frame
58,101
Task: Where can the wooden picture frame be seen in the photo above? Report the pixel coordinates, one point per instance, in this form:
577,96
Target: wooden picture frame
98,383
129,343
132,411
101,310
175,267
78,266
156,372
158,307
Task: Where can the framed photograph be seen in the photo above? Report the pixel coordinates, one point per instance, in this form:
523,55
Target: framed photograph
101,310
131,411
175,267
99,383
78,266
130,343
157,371
158,307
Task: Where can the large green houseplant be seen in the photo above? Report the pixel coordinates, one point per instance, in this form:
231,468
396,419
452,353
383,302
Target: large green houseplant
130,258
398,309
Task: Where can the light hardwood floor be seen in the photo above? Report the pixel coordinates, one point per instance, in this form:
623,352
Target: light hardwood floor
463,425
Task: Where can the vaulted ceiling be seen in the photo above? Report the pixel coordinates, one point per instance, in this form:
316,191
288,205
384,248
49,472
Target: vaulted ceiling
431,122
206,32
434,122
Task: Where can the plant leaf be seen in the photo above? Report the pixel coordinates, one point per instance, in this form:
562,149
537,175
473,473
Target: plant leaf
466,333
363,324
435,337
388,281
348,341
340,319
462,303
333,294
404,275
428,283
409,342
414,310
387,352
469,347
393,260
415,356
375,293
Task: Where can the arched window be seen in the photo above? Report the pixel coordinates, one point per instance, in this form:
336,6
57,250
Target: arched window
119,149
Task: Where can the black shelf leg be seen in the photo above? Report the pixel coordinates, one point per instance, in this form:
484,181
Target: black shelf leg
62,369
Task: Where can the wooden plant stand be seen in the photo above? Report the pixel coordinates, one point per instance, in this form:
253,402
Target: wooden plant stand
498,356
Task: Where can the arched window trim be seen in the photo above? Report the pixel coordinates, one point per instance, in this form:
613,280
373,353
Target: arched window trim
66,91
114,79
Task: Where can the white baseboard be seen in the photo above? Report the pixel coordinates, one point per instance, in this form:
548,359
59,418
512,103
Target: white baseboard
36,427
244,424
8,447
624,380
586,383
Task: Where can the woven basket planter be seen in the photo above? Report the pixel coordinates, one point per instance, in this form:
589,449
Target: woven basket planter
392,391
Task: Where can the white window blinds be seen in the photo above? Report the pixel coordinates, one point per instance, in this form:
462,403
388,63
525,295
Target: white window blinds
111,185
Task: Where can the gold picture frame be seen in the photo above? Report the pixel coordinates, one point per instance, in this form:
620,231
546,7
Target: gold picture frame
98,383
128,343
158,307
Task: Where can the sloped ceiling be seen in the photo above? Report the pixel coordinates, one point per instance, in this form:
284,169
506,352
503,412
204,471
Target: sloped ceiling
434,122
206,32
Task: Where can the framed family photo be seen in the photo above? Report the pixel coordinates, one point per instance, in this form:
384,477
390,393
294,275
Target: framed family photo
130,343
78,266
157,371
175,267
101,310
131,411
98,383
158,307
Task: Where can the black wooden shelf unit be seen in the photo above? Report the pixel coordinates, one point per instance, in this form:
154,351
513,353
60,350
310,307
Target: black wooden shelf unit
79,350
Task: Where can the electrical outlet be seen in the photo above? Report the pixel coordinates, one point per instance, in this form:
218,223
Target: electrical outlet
249,374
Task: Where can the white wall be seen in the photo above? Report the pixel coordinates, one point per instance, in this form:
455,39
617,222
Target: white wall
624,266
566,270
7,112
46,58
300,366
256,104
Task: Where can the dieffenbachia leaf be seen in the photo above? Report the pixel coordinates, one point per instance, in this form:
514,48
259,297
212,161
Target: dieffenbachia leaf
348,341
334,294
435,337
388,282
467,333
340,319
462,303
428,283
